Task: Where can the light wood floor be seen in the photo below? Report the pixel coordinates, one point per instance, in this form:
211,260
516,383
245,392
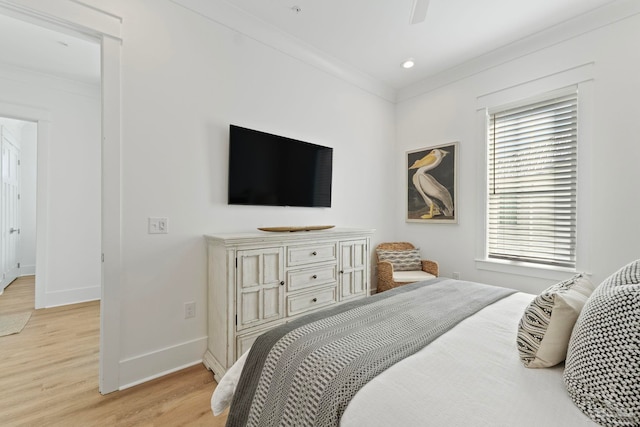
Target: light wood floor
49,375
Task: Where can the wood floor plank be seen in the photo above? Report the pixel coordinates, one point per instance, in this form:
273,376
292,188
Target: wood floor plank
49,375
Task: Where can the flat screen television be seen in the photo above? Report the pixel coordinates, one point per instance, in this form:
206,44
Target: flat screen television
272,170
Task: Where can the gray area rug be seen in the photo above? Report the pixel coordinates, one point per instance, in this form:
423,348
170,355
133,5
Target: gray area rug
13,323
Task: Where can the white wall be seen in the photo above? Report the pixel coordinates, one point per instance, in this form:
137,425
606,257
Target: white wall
28,175
609,176
72,181
184,80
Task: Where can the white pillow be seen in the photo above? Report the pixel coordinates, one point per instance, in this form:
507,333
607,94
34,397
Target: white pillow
223,393
545,328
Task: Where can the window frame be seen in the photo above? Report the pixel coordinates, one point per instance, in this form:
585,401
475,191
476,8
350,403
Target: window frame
580,80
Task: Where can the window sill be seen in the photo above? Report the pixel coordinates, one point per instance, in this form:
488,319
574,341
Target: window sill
525,269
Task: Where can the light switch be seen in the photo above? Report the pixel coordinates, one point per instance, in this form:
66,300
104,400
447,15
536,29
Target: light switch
158,225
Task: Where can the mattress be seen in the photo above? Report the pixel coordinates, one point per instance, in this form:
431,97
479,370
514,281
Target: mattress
470,376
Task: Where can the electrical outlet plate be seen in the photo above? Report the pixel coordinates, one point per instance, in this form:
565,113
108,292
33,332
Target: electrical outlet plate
189,310
455,275
158,225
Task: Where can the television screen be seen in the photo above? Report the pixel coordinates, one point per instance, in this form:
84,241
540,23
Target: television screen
266,169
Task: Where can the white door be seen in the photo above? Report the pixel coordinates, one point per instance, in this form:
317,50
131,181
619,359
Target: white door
10,207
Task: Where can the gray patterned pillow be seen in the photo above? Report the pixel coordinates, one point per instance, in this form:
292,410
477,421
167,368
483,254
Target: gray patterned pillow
545,327
602,371
402,260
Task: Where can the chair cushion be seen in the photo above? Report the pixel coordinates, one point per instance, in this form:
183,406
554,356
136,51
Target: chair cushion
602,371
545,327
402,260
411,276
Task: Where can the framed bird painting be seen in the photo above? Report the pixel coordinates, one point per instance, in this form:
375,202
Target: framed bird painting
431,184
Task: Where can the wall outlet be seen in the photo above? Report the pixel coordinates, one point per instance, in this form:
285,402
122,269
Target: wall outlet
189,310
158,225
455,275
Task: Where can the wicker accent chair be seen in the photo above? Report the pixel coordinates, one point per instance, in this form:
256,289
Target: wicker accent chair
386,279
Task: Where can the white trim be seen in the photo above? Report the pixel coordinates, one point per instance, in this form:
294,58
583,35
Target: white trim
525,269
536,88
145,367
112,269
72,296
238,20
27,270
64,15
580,76
591,21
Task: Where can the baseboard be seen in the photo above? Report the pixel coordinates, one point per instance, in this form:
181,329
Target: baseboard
71,296
146,367
27,270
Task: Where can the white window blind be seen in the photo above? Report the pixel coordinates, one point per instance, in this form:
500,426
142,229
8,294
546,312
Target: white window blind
532,182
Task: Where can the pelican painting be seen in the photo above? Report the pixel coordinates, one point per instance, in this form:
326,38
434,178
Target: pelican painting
433,182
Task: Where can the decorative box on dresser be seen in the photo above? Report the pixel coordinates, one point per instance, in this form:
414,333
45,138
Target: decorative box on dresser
261,280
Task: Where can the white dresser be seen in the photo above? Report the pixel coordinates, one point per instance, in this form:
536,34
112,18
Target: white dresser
261,280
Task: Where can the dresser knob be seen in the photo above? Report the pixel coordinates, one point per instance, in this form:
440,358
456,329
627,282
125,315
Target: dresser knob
315,276
314,253
282,283
341,271
315,300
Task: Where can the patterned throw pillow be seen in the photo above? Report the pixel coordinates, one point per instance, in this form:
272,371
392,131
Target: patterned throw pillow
545,328
602,371
402,260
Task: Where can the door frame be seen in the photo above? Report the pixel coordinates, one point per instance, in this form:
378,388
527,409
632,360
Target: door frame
42,118
84,20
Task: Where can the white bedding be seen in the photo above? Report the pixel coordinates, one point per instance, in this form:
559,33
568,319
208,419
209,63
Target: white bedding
471,376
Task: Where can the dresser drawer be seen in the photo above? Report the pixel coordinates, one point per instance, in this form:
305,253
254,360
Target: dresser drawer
310,277
308,301
301,255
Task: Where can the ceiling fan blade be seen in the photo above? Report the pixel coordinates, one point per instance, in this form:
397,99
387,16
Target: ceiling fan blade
419,11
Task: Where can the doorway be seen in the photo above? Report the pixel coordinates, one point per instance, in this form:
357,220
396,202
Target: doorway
59,73
105,29
18,171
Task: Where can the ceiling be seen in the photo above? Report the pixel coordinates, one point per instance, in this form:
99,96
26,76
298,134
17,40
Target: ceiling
376,36
28,46
371,36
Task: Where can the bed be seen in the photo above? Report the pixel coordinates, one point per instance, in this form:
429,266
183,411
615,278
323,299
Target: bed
469,374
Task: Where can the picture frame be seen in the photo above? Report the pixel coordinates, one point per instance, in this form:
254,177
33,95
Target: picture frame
432,184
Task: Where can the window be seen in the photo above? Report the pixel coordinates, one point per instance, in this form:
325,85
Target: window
532,176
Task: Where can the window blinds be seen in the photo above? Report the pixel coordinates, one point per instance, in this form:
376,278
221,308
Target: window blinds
532,182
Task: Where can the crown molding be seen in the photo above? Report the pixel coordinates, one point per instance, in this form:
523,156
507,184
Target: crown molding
572,28
62,15
227,15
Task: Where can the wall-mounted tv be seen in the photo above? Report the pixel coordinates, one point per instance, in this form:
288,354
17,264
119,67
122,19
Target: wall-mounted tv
272,170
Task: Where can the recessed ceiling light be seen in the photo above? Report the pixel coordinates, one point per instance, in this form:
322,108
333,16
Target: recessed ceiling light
408,63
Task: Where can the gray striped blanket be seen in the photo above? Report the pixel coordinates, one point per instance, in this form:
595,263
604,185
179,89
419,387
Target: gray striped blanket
305,373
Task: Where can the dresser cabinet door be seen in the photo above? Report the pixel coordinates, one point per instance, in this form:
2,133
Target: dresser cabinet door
352,268
260,286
